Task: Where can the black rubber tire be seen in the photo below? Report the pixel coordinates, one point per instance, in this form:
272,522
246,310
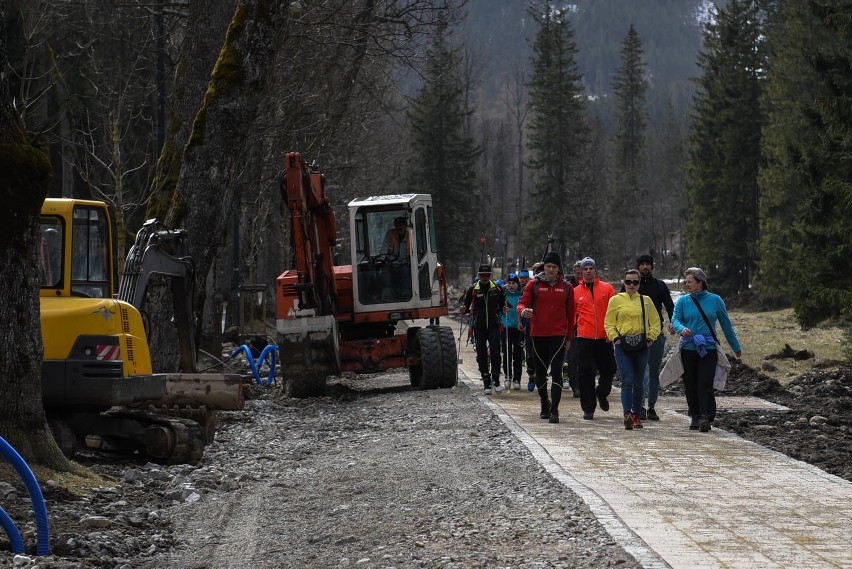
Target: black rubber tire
430,358
449,357
303,386
415,373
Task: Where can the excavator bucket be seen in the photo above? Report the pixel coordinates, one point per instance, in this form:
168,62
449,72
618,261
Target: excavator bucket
309,353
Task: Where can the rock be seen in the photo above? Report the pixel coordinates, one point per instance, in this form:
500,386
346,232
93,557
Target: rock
21,561
92,522
818,420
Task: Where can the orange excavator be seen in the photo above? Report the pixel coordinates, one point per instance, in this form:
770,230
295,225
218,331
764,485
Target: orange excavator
359,317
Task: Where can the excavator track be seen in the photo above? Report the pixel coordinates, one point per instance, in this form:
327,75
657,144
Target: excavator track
168,440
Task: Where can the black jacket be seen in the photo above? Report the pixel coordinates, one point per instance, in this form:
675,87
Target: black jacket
660,295
486,304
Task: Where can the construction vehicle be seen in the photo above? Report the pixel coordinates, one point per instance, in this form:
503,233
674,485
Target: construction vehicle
337,318
97,378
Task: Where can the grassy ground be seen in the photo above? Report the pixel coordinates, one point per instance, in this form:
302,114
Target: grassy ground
764,333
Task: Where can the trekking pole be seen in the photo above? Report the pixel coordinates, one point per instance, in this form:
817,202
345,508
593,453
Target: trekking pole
458,351
508,361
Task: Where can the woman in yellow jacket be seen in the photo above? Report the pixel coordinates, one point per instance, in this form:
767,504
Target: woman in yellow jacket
624,325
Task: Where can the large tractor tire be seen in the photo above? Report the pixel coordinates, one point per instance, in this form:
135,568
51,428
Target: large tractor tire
430,358
449,357
415,372
302,386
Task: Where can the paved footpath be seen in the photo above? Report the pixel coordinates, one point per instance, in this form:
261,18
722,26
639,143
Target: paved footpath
679,498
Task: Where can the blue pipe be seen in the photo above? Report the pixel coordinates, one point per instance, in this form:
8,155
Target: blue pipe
36,497
270,349
12,532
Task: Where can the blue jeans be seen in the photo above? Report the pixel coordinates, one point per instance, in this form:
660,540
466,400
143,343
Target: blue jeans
631,367
652,373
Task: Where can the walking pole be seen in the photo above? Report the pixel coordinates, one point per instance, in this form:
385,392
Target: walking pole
508,362
458,351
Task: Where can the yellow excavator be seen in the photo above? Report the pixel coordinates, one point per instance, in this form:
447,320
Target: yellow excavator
98,386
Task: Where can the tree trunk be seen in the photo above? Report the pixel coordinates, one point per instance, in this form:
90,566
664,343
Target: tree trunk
209,22
24,181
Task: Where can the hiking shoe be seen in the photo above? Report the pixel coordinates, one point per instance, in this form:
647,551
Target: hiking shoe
498,389
545,409
487,391
531,385
643,414
576,392
516,385
588,416
554,416
652,415
704,425
628,421
603,403
637,421
693,424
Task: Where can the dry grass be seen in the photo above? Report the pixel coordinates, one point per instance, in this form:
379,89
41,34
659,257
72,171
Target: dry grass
80,482
765,333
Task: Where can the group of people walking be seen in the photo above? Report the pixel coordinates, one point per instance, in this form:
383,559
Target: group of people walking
584,326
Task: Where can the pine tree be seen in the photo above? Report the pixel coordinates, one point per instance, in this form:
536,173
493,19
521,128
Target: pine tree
558,131
806,185
724,153
443,157
630,87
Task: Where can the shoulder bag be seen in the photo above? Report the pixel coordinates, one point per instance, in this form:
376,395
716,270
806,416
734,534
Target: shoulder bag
635,343
723,366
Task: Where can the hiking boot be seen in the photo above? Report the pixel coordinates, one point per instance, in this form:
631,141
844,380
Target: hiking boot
628,421
652,415
637,421
643,414
554,416
693,424
487,391
603,403
498,389
588,416
576,392
545,409
516,385
704,425
531,385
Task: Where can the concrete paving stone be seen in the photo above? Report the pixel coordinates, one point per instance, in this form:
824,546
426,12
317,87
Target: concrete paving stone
678,498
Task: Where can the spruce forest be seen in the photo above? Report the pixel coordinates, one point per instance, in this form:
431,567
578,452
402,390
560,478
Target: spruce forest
711,134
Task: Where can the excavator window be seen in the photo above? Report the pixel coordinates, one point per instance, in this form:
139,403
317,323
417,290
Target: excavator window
383,250
50,252
90,253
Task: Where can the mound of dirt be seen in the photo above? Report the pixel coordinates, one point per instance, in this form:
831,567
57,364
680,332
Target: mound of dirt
817,429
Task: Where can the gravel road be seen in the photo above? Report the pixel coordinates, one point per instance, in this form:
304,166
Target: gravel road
378,475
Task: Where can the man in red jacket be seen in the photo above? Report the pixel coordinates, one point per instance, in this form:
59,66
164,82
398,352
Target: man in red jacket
548,303
594,350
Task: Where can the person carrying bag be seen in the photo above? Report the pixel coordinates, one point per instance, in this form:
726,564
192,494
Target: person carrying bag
632,327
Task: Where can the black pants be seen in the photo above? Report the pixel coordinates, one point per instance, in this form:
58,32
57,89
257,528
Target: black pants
698,375
488,347
573,368
594,357
548,353
528,349
512,353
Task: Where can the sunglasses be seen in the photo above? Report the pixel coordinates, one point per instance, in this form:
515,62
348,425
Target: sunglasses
631,283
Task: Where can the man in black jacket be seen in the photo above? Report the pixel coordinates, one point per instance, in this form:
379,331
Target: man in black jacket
486,301
661,297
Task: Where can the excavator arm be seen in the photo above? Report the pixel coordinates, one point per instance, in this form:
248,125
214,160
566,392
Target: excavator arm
159,251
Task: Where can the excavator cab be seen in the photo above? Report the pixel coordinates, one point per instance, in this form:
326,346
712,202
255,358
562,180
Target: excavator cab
394,253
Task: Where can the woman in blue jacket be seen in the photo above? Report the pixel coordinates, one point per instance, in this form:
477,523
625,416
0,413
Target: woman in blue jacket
698,345
513,353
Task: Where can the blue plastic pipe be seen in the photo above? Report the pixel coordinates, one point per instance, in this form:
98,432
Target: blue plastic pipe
12,532
270,350
36,497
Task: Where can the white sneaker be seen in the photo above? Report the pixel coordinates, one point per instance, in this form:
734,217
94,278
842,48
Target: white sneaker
516,385
498,389
487,391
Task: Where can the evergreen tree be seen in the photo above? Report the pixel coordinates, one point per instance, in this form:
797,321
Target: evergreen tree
444,158
724,153
806,185
558,131
631,86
